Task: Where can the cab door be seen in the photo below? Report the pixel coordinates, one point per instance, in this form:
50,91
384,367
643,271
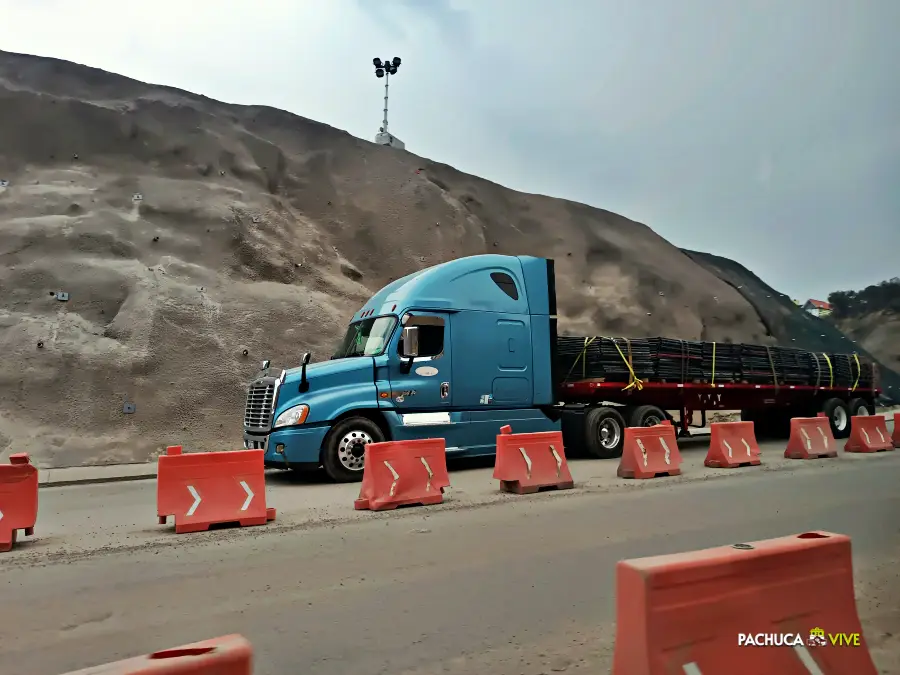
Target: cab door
427,385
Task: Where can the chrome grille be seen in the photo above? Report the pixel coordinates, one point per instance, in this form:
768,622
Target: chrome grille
260,398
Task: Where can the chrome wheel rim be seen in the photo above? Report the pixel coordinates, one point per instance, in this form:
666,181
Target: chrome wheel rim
352,449
609,433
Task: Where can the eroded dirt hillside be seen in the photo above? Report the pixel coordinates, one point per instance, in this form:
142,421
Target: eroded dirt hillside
879,332
872,334
257,230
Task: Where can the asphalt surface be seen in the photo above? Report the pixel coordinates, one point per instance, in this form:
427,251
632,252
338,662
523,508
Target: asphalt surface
80,520
513,585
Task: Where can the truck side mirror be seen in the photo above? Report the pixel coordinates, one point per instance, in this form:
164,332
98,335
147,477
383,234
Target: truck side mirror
410,345
304,383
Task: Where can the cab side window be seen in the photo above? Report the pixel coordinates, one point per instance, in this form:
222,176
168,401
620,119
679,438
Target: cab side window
431,340
431,336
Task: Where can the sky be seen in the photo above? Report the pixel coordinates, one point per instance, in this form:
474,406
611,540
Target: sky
767,131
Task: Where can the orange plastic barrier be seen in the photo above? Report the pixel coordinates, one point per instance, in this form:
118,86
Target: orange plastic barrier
403,473
811,438
18,499
527,463
732,444
868,433
229,655
895,437
207,488
722,610
649,452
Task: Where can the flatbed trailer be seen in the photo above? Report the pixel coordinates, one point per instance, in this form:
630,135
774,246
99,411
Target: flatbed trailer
595,412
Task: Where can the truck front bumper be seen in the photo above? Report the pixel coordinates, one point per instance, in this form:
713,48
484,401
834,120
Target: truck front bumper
291,447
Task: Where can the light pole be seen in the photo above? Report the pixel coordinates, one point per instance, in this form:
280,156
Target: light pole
386,69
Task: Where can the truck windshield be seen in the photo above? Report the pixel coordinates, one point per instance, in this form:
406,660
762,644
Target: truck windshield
368,337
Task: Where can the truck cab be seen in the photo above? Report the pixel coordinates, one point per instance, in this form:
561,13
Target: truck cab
453,351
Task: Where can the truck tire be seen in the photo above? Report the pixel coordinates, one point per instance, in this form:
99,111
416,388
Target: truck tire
343,450
604,433
646,416
860,407
838,415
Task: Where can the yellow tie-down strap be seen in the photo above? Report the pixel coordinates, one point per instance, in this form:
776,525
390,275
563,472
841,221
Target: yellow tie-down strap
583,358
830,371
634,380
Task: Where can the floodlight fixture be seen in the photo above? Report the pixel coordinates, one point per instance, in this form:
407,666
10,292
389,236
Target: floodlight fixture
385,69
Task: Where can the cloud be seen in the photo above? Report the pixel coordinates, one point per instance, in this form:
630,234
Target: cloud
762,130
400,18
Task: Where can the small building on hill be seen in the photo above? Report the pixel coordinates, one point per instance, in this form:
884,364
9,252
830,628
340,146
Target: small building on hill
817,307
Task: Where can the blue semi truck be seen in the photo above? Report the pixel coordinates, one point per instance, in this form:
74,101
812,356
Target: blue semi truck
462,348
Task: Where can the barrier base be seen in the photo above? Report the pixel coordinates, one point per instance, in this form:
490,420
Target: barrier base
641,475
810,454
718,464
516,487
187,528
365,504
9,537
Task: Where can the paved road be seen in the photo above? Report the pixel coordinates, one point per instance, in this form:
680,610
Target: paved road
76,520
512,587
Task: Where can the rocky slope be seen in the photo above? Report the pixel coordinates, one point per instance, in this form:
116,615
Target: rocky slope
256,235
879,333
871,316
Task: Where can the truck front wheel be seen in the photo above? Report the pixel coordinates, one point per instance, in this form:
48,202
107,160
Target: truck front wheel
344,448
604,432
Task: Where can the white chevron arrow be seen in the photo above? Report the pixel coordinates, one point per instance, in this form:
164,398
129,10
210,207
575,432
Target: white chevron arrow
249,495
395,475
1,515
197,500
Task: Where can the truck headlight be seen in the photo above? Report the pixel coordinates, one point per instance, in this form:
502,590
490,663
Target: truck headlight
292,416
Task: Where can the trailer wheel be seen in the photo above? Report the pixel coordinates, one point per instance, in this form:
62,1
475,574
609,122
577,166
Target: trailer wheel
646,416
838,415
604,432
860,407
